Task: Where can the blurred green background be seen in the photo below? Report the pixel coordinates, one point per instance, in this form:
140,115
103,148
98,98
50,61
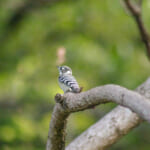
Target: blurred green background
102,46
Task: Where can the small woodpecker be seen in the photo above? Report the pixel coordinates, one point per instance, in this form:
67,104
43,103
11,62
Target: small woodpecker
66,81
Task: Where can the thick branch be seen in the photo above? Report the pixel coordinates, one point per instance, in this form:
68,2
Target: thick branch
135,10
103,94
111,127
106,131
56,135
109,93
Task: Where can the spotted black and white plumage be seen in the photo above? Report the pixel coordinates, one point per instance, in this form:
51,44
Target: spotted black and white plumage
66,81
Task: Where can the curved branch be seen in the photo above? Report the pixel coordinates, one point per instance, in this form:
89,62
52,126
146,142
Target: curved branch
77,102
109,93
111,127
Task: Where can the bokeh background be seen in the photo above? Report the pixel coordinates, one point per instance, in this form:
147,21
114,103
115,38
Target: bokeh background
98,39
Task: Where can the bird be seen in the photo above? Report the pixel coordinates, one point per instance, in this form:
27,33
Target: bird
67,81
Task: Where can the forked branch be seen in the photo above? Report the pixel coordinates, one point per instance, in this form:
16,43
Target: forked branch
111,127
71,102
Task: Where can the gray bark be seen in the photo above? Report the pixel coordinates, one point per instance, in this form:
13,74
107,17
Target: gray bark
76,102
111,127
106,131
108,93
56,134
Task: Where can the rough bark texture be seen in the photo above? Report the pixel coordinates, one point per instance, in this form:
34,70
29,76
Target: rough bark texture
108,93
56,135
106,131
76,102
111,127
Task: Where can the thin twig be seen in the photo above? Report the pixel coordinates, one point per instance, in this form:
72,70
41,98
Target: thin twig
135,10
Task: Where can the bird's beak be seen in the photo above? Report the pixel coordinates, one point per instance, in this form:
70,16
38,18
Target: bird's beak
58,67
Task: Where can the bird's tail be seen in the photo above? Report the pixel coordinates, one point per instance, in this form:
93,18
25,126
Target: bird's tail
77,90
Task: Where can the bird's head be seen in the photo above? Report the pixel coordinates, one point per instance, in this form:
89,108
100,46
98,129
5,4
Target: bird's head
64,70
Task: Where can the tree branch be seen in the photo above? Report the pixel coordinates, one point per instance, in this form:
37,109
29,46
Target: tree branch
135,10
106,131
56,135
108,93
76,102
111,127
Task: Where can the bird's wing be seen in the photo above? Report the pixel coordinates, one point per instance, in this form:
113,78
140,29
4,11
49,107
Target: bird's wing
69,81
